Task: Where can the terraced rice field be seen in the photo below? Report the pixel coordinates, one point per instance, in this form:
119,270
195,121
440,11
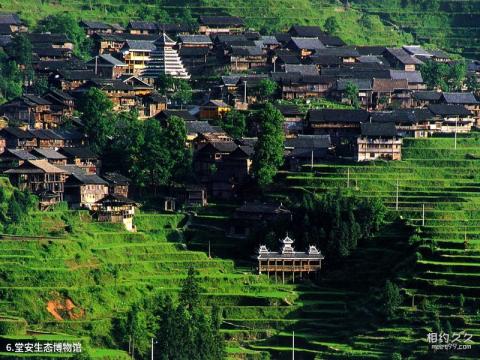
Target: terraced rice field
436,188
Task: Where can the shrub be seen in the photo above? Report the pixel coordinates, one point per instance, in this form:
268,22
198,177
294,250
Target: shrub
13,326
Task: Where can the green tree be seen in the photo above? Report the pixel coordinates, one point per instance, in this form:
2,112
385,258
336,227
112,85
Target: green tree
457,74
391,298
190,293
472,83
65,23
14,211
331,25
182,92
20,50
98,118
267,89
235,124
351,94
269,149
175,134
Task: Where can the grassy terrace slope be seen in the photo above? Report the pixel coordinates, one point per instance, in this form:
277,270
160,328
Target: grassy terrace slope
447,182
101,269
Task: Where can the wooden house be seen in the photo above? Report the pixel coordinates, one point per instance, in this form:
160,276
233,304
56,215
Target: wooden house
95,27
195,195
214,109
117,183
52,156
143,28
136,54
13,22
39,176
13,158
388,92
69,80
306,150
116,209
289,262
152,105
244,58
82,157
305,47
47,138
297,86
401,59
254,214
208,157
421,99
364,91
220,25
29,109
62,105
293,119
83,190
408,122
466,99
107,66
378,141
16,138
451,118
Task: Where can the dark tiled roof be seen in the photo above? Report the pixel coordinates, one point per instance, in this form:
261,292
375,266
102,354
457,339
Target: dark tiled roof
142,25
378,129
50,154
77,74
371,50
403,56
116,178
193,51
324,60
18,133
45,134
10,19
195,39
337,115
78,152
354,72
413,77
95,25
330,40
69,134
449,110
199,127
289,110
402,116
289,59
114,199
339,52
262,208
246,51
389,85
427,95
305,43
19,153
184,114
466,98
36,99
308,142
221,21
143,45
301,69
46,38
305,31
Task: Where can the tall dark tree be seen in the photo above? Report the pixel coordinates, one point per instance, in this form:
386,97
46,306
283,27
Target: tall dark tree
98,118
157,161
190,293
269,149
175,134
392,298
235,124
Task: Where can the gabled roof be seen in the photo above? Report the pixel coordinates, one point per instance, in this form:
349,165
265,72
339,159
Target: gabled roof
116,178
337,115
246,51
301,69
300,43
17,133
344,51
389,85
73,75
142,25
262,208
331,40
466,98
306,31
267,40
402,116
195,39
289,59
187,51
69,134
403,57
49,154
371,50
18,153
59,95
10,19
324,60
109,59
36,166
289,110
115,200
139,45
416,50
36,99
413,77
199,127
221,21
47,38
308,142
427,95
78,152
163,40
362,84
378,129
217,103
449,110
184,114
45,134
94,25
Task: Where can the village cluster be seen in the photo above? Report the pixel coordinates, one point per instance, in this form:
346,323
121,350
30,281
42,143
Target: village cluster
226,63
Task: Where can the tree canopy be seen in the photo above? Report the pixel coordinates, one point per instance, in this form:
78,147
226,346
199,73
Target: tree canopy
446,77
269,149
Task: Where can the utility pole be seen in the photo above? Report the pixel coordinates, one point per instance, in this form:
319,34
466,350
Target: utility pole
209,254
423,214
456,120
293,345
396,201
245,91
348,177
96,65
152,350
311,162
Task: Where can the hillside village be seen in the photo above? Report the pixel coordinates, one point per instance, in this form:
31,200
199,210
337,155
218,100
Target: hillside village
213,87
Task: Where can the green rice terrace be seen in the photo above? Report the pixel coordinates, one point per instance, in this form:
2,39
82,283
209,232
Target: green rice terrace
70,277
